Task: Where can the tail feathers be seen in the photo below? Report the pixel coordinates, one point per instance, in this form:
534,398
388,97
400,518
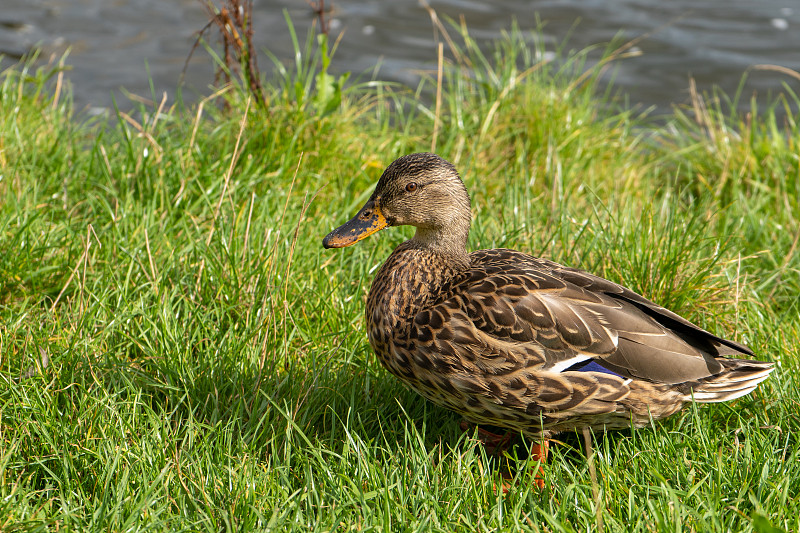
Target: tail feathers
738,378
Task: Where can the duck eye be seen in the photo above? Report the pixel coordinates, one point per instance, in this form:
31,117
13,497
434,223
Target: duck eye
411,187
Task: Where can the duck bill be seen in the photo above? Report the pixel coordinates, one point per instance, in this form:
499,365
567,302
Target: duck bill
368,221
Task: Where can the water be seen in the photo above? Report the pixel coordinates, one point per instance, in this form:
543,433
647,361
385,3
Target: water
120,44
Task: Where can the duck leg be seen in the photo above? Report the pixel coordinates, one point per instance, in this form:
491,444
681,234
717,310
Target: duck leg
496,444
539,451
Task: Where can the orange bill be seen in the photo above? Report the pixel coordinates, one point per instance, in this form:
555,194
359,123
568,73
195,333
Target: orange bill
365,223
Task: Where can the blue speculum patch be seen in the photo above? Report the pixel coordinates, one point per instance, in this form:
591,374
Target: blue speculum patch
591,366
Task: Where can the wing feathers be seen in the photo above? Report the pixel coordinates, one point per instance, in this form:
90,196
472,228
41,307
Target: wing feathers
578,315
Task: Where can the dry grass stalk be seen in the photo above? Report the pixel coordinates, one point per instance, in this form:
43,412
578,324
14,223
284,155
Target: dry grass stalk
235,24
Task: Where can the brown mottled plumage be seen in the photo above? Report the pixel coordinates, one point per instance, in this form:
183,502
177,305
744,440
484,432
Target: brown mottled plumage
507,339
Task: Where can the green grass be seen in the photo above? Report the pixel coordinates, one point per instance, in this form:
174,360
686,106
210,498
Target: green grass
208,364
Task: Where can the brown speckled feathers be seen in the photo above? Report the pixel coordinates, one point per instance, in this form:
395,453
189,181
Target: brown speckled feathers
511,340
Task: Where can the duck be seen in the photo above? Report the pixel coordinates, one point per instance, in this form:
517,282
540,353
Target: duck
512,341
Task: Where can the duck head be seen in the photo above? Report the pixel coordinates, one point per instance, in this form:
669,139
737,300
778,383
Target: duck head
421,190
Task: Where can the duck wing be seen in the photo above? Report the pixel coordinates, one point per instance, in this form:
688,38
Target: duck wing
511,311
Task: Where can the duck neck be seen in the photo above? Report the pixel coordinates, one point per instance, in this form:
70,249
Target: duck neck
447,244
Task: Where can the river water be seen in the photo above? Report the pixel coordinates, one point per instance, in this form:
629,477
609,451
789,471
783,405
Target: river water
118,45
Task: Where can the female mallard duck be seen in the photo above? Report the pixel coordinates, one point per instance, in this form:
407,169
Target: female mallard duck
507,339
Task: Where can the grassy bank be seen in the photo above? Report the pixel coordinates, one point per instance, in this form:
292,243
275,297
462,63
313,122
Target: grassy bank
206,360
